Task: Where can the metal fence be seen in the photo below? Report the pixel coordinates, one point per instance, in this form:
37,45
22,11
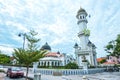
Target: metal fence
70,71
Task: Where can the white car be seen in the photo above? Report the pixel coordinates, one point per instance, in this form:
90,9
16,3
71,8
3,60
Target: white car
1,67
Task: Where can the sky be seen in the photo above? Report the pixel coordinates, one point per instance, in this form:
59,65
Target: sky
56,23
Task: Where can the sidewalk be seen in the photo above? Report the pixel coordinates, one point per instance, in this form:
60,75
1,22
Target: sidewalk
2,76
97,76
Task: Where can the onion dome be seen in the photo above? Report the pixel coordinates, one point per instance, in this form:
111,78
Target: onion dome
46,47
81,11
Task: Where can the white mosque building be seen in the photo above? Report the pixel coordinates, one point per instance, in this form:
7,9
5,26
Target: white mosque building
85,49
54,58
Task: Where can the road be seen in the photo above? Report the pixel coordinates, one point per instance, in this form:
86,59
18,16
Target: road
7,78
4,77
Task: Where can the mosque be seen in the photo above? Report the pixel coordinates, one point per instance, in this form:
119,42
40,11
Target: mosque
84,50
54,58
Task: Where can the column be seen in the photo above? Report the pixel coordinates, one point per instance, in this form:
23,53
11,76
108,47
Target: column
50,63
54,63
43,63
46,63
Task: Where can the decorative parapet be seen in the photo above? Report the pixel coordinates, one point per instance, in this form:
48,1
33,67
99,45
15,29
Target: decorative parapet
82,20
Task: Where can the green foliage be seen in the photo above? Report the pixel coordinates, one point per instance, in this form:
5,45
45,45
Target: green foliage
71,66
30,54
91,66
2,71
32,40
86,32
4,59
102,61
27,57
113,47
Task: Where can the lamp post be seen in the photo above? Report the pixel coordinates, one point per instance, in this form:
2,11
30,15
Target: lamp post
24,35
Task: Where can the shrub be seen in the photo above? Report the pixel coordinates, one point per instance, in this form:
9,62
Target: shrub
2,70
71,66
102,61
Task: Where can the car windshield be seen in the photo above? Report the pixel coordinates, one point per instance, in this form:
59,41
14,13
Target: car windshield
16,69
1,66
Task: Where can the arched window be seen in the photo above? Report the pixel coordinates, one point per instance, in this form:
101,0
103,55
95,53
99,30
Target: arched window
83,17
80,17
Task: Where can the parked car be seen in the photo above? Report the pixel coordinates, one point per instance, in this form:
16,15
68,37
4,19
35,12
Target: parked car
15,72
1,68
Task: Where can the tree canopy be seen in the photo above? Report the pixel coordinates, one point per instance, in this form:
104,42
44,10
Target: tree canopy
113,47
30,54
4,59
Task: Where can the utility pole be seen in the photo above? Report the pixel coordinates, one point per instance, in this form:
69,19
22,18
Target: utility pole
24,37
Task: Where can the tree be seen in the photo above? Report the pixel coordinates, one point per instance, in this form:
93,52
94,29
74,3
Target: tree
27,57
113,47
4,59
102,61
117,47
31,53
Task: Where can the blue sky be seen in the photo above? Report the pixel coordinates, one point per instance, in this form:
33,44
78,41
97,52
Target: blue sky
56,23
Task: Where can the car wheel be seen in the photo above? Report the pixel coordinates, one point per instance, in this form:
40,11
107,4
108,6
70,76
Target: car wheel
7,75
10,76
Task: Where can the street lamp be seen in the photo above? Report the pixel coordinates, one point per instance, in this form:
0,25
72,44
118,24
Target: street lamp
24,35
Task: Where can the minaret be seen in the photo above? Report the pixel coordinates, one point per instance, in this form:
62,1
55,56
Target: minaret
83,31
86,49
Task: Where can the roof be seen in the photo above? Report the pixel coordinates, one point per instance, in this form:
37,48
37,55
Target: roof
99,59
109,63
50,59
81,10
53,54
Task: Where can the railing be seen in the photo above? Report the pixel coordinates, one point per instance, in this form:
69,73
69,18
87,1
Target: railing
70,71
66,71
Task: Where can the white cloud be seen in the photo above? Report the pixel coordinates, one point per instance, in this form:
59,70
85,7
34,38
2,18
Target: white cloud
6,49
55,21
17,26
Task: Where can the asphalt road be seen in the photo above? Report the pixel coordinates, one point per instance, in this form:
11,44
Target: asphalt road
7,78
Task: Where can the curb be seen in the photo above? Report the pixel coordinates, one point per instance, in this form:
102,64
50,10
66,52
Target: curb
29,78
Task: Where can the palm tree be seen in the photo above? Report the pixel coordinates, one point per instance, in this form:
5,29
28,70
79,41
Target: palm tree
27,57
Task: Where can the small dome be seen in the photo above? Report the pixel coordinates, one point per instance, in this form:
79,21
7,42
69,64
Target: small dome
81,11
76,45
46,47
89,43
